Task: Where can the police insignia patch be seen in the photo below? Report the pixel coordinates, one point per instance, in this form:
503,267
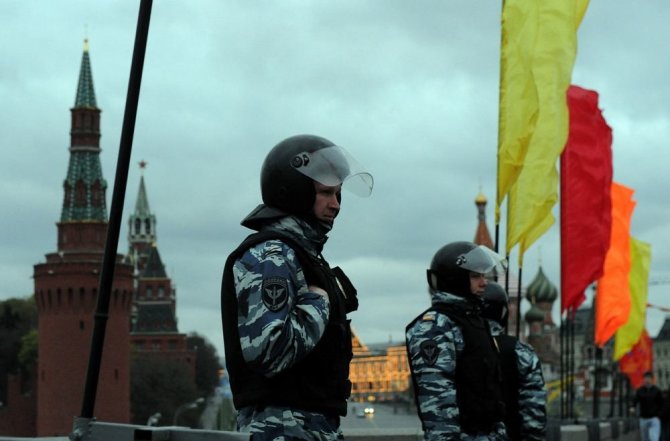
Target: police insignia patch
429,352
275,293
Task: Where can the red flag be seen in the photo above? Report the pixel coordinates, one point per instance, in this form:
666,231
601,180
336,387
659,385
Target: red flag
639,360
586,179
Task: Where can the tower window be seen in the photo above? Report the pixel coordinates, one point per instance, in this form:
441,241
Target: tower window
80,193
96,194
138,226
81,325
147,226
68,194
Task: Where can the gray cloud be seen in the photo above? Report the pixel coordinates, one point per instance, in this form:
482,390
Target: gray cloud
411,91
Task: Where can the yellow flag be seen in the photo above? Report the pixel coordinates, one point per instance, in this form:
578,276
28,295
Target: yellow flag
518,93
629,333
534,192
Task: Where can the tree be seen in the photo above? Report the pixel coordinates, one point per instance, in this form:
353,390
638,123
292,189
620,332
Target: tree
18,317
207,364
161,384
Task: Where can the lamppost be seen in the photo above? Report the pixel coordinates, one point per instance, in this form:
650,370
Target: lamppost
186,406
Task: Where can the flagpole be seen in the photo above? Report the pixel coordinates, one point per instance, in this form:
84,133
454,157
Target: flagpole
561,360
496,243
518,304
571,328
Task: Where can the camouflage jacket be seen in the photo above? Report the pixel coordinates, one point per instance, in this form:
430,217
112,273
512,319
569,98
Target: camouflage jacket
532,393
274,338
434,380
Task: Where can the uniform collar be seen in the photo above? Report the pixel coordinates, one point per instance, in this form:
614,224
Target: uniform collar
465,303
311,237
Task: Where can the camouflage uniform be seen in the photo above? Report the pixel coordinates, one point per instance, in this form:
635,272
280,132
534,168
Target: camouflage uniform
532,393
275,337
434,343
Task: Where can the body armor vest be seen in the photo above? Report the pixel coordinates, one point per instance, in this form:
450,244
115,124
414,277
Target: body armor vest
478,375
319,382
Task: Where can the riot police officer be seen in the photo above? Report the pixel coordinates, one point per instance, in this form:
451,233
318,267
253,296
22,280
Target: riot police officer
453,358
523,386
286,334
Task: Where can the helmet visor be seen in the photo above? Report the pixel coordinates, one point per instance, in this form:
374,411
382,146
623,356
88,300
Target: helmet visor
334,166
481,260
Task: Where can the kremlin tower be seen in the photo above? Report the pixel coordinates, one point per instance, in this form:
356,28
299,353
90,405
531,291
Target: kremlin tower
66,287
153,325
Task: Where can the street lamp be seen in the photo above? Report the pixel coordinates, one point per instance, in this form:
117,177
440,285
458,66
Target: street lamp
186,406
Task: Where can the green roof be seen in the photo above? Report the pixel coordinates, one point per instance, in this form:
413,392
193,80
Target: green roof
85,92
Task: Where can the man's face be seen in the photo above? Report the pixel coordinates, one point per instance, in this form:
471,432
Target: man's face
326,205
477,283
648,380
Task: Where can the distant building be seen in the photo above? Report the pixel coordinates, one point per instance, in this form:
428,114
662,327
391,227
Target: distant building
154,330
543,334
379,372
66,295
66,287
662,355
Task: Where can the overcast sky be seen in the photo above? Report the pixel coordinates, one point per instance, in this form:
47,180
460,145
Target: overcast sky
410,88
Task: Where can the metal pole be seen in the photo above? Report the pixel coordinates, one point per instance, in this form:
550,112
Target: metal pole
116,211
562,372
571,362
518,306
613,376
596,382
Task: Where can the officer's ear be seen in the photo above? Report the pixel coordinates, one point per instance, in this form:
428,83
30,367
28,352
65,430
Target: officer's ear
431,278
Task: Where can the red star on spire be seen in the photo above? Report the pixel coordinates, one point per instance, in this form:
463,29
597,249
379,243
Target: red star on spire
143,164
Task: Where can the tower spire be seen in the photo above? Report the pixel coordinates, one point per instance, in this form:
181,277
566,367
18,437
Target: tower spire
141,226
84,187
482,235
85,92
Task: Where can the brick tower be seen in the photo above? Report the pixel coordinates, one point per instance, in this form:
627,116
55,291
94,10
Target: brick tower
154,331
66,287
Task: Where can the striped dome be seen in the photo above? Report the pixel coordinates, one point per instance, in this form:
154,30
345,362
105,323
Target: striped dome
534,314
541,289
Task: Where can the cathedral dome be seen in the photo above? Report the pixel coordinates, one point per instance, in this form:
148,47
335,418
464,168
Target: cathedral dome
534,314
541,289
480,198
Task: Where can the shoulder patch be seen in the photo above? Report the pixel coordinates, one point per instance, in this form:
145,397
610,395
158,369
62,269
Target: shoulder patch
428,317
275,293
429,352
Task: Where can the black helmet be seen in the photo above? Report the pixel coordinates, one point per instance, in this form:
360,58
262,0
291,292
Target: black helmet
283,186
289,172
496,303
451,266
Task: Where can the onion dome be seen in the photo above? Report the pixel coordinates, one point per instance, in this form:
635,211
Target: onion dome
541,289
534,314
